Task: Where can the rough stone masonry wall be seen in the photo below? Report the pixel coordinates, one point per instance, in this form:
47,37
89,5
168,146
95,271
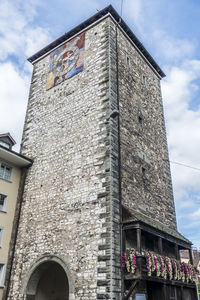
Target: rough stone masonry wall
114,148
67,203
146,178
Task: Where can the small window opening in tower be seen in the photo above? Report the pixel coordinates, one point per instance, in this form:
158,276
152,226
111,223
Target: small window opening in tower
144,175
140,120
144,156
136,60
127,62
144,80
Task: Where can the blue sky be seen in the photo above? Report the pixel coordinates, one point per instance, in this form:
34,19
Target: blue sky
170,32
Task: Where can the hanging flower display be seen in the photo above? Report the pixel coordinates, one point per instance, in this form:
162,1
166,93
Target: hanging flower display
161,266
129,260
175,269
169,268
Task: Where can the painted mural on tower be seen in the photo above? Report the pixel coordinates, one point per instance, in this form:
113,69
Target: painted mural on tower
66,61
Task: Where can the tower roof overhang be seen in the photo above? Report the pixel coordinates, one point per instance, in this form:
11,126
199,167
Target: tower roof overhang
109,10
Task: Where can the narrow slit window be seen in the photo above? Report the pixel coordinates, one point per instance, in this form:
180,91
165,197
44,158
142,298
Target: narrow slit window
127,62
136,60
140,120
144,175
144,80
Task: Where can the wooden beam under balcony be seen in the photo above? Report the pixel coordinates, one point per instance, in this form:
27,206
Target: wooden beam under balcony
133,285
130,276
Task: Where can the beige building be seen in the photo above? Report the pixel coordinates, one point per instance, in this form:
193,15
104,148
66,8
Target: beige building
185,257
12,166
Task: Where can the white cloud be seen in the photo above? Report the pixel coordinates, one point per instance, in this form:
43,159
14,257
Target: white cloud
35,39
12,100
183,136
172,48
196,215
179,89
134,12
18,36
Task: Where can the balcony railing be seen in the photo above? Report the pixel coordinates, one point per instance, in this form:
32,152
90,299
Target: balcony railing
159,266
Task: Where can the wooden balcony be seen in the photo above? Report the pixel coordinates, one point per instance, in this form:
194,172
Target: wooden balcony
161,283
155,284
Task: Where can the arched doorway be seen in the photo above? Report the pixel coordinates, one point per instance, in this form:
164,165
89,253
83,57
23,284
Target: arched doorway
48,282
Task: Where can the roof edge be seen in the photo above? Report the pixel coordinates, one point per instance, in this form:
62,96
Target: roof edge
157,225
107,10
29,161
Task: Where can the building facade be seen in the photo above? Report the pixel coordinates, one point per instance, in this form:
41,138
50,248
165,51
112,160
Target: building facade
12,166
100,184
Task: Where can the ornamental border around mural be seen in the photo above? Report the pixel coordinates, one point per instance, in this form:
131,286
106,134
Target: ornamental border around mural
66,61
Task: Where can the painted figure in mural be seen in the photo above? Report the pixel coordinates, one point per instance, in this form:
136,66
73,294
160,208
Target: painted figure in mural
66,61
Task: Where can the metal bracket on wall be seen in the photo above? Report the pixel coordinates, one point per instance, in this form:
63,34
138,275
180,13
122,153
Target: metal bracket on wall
114,113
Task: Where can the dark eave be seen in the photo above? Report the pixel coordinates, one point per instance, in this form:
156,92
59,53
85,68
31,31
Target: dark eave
131,218
174,238
90,21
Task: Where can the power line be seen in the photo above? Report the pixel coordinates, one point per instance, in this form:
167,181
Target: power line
173,162
187,166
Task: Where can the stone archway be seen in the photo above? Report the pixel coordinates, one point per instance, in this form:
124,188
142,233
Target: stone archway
48,280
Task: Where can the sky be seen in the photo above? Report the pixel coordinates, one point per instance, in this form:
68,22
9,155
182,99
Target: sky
169,30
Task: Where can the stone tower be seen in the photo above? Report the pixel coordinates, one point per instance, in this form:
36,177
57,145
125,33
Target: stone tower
95,131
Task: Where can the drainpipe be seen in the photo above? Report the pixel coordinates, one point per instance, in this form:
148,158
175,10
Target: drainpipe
119,156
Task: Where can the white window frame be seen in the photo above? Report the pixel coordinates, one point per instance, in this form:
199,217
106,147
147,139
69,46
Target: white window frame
4,207
2,274
3,176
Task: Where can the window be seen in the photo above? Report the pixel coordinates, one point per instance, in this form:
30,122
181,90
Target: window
127,63
5,171
2,271
140,120
1,231
136,60
4,144
3,202
144,174
144,80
